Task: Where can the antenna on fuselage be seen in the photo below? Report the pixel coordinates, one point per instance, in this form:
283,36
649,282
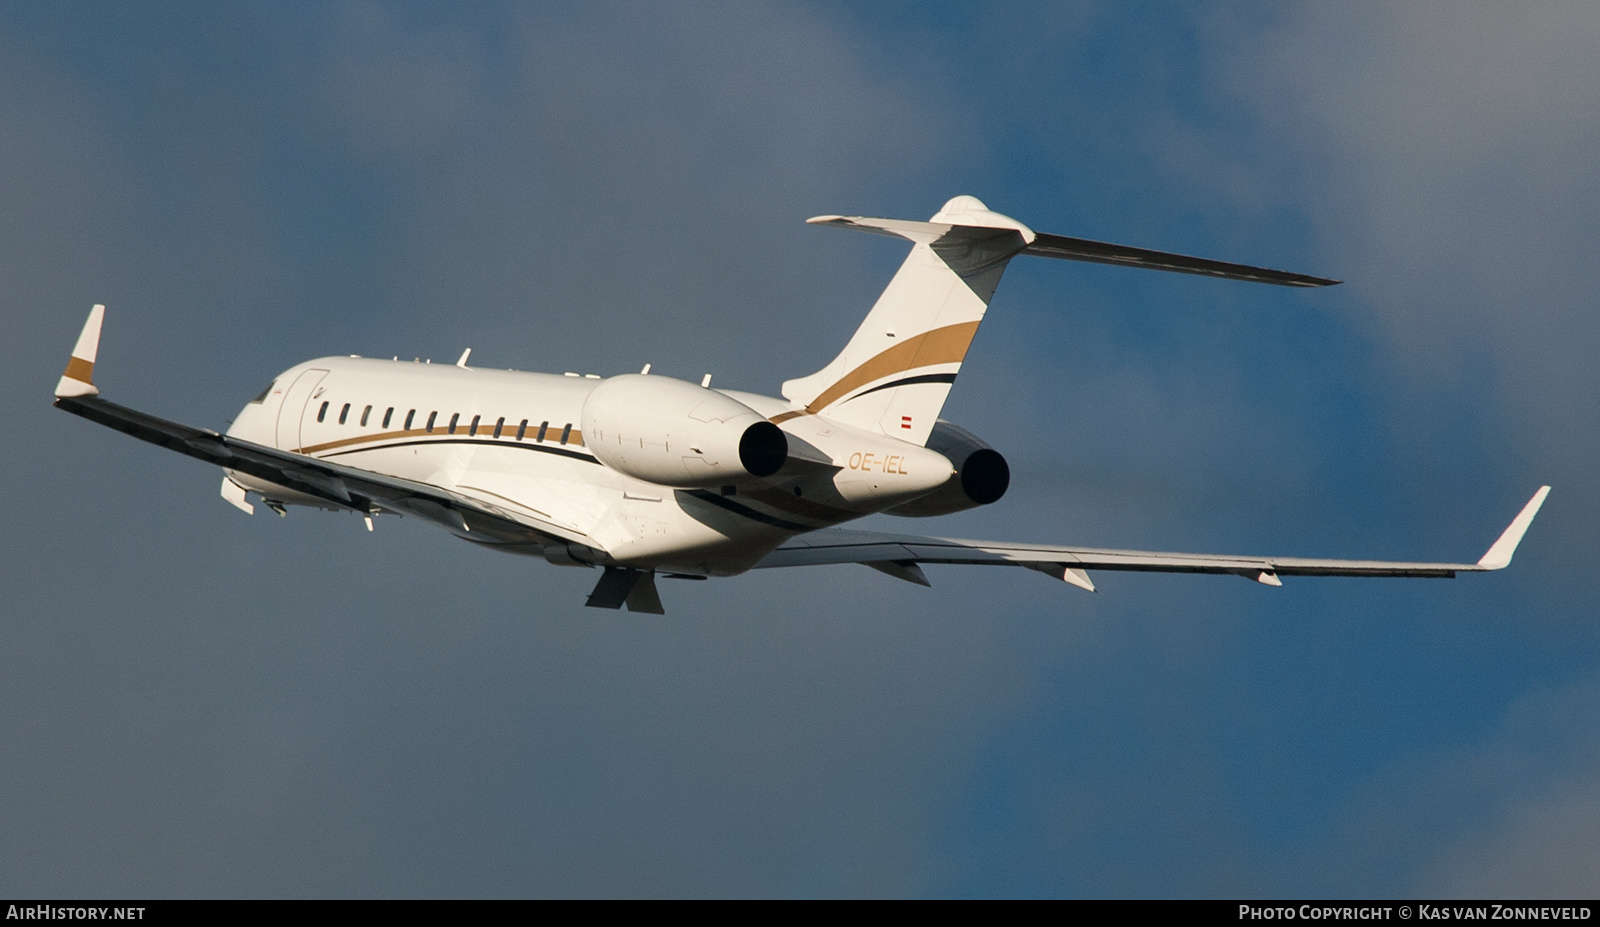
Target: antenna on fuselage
462,363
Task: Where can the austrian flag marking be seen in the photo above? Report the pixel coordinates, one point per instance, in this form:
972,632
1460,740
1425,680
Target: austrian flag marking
905,421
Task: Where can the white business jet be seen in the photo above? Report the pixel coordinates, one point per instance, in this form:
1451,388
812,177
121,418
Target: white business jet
647,476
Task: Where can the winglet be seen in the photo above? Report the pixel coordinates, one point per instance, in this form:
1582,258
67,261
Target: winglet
79,377
1499,556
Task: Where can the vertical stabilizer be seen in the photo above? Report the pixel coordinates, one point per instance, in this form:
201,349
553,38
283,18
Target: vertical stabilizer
894,375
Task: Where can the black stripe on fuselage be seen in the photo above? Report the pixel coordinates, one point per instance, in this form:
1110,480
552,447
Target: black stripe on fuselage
910,381
487,442
746,511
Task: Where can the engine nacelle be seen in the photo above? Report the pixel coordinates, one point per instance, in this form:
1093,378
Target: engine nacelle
981,476
674,433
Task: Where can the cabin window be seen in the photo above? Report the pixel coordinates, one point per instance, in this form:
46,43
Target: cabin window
566,433
543,427
454,418
409,417
499,425
364,413
344,413
431,417
522,429
388,414
473,428
322,413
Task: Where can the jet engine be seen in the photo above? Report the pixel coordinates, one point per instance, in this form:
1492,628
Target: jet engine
674,433
981,476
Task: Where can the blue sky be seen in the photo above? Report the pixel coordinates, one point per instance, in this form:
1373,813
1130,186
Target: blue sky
196,703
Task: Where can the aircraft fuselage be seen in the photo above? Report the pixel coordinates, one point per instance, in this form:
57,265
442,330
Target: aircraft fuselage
518,441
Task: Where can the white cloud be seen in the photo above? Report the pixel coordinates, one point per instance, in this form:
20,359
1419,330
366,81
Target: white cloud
1516,814
1545,845
1445,151
650,163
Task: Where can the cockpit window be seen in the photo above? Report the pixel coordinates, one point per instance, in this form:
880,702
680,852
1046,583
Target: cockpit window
264,394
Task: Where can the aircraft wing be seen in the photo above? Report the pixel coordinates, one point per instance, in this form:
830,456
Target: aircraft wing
339,486
900,554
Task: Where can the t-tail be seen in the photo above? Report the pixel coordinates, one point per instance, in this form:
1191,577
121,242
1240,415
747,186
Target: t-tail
896,372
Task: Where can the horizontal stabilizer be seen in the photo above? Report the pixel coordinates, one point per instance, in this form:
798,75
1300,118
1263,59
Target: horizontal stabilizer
1099,252
1072,249
925,233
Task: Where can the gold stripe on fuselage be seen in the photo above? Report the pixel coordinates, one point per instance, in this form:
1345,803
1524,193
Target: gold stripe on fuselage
484,431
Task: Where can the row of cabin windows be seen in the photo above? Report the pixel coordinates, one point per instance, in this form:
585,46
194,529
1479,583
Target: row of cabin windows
455,421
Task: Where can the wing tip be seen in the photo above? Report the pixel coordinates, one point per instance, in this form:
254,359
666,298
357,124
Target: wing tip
1499,555
78,378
